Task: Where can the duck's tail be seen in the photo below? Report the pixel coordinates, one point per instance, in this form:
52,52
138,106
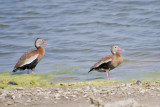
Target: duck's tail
15,69
90,70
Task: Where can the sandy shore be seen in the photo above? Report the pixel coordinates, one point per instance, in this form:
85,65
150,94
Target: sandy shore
109,95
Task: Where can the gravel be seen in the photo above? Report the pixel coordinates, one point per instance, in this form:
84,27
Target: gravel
113,95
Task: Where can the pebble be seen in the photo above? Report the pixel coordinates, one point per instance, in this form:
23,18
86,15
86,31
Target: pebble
138,82
9,103
9,96
29,100
2,87
20,88
12,83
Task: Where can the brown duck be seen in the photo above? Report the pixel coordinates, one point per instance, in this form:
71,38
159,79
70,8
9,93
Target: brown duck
109,62
30,59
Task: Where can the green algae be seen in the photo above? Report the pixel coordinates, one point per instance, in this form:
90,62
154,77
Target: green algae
96,82
101,82
47,80
24,80
42,80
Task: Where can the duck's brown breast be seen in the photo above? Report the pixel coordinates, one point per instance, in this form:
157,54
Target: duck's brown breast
41,52
117,59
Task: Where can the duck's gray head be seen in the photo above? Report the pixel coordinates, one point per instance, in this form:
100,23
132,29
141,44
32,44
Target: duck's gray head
115,48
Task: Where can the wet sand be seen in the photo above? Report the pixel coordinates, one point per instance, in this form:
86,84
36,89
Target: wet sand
135,94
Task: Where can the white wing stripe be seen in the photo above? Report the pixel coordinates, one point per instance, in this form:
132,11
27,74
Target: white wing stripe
29,60
103,62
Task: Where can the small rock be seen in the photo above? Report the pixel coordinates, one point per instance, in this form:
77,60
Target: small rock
17,101
9,103
38,90
20,88
12,83
57,96
9,96
142,91
123,85
29,100
152,88
13,97
0,93
95,102
129,93
139,82
2,87
28,94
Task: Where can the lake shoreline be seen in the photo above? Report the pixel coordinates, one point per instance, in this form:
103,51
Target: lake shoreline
109,94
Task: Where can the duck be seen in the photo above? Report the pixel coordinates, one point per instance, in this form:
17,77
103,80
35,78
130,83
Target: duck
30,59
109,62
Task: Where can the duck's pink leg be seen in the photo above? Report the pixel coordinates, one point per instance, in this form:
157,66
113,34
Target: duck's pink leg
107,74
28,71
32,71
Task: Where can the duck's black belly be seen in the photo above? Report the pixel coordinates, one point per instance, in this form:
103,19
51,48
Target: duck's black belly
105,66
32,65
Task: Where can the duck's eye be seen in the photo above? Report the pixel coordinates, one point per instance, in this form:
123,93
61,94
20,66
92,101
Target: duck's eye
115,47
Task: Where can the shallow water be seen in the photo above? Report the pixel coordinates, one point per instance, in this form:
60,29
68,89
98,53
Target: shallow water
81,32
